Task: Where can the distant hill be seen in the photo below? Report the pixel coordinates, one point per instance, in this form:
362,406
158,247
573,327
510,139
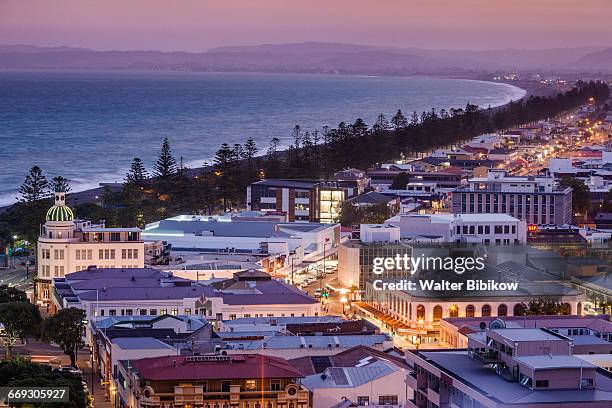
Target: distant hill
305,58
598,59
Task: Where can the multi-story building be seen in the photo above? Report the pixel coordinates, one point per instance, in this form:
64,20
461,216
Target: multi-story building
536,200
356,257
471,228
526,368
209,381
301,200
274,243
416,314
68,245
150,292
454,331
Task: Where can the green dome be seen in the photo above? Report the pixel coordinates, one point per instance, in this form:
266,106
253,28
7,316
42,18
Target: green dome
60,213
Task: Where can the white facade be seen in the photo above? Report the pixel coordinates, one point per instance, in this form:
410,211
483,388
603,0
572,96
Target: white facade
148,292
388,389
378,233
473,228
249,237
67,245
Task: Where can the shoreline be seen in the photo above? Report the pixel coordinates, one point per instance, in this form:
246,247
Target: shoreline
94,194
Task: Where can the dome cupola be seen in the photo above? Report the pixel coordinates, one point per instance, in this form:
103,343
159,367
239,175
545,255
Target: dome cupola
60,211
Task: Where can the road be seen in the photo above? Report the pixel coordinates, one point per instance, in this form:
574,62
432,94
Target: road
17,277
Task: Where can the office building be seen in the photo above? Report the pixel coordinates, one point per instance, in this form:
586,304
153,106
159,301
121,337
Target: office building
535,200
498,229
356,257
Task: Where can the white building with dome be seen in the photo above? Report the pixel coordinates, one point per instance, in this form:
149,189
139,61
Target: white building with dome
68,245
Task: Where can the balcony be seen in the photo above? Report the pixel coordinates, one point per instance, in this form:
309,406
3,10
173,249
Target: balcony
486,357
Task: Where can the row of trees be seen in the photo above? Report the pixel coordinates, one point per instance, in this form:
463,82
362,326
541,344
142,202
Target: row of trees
171,188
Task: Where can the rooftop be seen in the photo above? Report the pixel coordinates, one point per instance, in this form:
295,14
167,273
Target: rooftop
527,335
483,380
348,377
551,362
178,368
141,343
297,342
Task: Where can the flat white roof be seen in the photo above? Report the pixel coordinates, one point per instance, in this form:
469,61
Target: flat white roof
487,217
554,362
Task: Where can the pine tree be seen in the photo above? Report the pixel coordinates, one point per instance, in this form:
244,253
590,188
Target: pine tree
166,164
224,162
34,187
60,184
137,174
399,120
248,153
381,124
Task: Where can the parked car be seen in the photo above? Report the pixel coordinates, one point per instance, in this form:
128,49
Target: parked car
69,369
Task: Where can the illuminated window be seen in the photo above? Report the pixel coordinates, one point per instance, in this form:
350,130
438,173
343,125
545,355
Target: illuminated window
250,385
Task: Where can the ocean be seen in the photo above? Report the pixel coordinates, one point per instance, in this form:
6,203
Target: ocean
89,125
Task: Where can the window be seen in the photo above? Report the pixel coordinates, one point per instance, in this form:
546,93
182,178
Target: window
486,311
469,311
174,312
187,311
100,254
363,401
124,254
502,310
163,311
388,400
115,236
112,312
542,383
143,312
128,312
225,386
153,312
250,385
275,385
89,253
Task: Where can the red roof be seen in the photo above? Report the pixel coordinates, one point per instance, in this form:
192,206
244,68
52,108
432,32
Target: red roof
451,170
472,149
177,368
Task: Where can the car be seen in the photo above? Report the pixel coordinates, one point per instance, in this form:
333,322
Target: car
69,369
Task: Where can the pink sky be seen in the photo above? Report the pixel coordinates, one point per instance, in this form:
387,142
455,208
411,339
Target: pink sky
197,25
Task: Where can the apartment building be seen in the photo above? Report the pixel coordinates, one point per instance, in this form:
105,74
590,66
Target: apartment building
68,245
536,200
301,200
526,368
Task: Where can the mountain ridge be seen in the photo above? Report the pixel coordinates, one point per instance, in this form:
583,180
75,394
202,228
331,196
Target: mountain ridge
310,57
